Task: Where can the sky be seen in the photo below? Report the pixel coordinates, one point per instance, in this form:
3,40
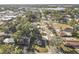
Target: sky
39,1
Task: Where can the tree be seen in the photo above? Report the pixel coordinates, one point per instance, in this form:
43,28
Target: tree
75,34
56,41
24,29
9,49
72,22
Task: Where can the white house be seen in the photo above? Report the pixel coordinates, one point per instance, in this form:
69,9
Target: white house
9,40
6,17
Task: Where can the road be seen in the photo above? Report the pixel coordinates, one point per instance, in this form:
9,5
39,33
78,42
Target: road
49,36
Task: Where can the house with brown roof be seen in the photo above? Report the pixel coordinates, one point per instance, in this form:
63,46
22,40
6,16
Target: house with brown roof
72,43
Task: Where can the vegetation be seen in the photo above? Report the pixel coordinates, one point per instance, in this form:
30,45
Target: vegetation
9,49
75,34
56,41
67,50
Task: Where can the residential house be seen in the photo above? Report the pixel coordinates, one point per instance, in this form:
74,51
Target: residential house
2,34
63,29
24,41
8,15
66,32
72,43
65,19
9,40
49,17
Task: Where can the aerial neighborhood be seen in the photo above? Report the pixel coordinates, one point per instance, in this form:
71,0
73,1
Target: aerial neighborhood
39,29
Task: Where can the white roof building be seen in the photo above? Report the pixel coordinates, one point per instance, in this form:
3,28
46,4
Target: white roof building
45,37
8,17
9,40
